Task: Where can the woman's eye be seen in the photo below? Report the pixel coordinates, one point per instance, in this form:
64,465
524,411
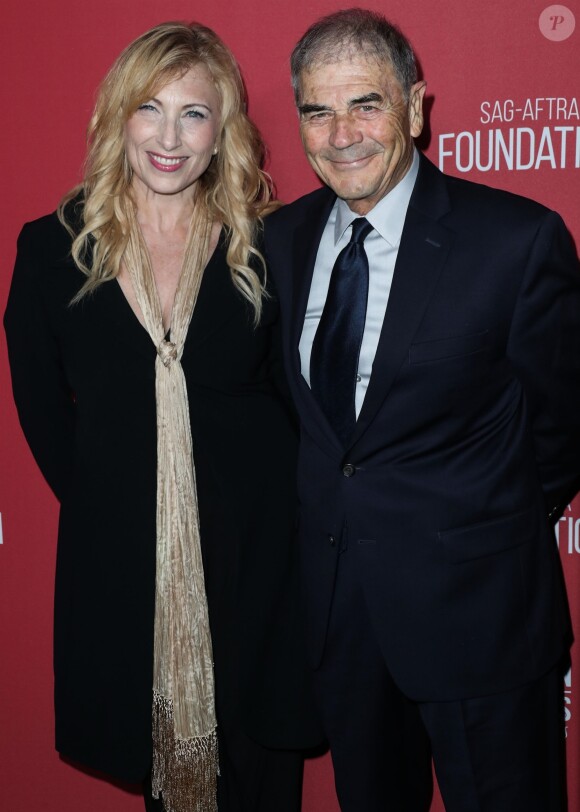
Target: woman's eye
147,106
195,114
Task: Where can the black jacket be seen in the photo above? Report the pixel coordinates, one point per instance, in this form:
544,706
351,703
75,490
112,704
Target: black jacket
84,385
468,437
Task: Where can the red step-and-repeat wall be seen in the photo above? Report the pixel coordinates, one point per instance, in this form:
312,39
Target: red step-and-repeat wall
503,105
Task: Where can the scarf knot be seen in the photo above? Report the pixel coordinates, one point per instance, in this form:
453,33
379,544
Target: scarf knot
167,351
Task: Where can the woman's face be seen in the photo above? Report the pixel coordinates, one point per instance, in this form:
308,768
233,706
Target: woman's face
171,138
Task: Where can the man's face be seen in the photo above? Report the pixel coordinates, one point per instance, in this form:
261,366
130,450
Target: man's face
357,128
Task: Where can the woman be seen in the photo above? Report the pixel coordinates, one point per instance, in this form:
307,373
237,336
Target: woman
143,349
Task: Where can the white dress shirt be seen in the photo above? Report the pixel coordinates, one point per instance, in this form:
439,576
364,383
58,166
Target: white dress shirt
387,218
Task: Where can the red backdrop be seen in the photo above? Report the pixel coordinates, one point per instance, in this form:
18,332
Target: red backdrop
503,105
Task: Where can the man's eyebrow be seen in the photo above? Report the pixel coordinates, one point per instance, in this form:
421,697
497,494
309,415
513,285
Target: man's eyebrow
370,97
303,109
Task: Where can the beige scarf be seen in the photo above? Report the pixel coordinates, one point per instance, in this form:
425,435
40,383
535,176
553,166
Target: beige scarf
185,762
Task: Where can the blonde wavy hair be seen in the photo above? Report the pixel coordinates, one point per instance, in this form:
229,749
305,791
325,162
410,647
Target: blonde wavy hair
235,191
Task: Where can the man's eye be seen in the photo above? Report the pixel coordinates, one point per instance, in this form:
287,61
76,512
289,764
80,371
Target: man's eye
321,115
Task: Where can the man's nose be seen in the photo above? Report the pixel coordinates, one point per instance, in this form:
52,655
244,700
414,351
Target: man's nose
344,131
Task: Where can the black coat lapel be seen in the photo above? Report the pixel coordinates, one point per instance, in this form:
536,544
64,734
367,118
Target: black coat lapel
422,254
307,238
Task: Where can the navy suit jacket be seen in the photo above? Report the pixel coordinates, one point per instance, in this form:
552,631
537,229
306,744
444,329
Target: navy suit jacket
468,438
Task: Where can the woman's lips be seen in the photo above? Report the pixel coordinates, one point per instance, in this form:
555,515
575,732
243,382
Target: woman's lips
166,163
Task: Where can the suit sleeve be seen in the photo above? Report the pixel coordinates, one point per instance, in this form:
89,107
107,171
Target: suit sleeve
44,401
544,347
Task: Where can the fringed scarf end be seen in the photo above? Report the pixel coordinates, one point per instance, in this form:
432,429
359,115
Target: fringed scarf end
184,770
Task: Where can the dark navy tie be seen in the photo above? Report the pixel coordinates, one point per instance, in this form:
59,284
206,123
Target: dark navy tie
336,346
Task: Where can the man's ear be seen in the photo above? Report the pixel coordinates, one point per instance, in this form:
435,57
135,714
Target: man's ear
416,118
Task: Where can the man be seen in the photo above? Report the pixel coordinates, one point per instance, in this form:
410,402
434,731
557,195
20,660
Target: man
440,420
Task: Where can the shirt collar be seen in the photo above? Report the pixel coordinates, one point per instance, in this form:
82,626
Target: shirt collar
388,215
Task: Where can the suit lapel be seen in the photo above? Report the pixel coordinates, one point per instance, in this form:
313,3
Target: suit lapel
422,254
307,238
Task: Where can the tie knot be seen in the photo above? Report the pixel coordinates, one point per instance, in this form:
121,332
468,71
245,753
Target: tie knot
361,228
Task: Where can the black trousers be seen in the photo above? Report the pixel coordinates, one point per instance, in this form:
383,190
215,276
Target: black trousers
502,753
252,778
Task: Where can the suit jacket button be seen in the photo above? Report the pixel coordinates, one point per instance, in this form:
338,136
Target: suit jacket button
348,469
332,541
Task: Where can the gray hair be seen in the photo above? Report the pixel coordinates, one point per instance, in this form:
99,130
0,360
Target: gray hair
353,31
